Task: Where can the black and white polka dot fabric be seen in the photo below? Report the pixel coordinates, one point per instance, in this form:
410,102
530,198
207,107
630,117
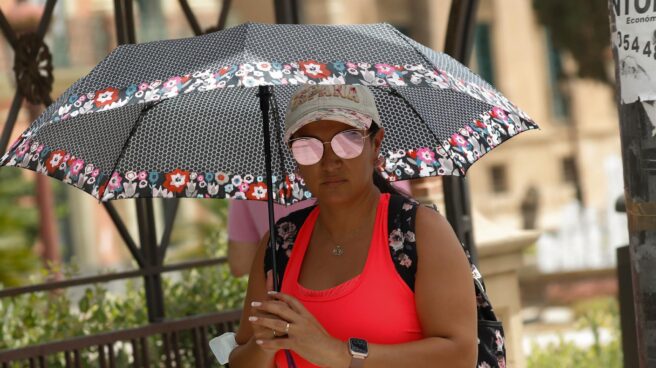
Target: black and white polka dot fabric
181,118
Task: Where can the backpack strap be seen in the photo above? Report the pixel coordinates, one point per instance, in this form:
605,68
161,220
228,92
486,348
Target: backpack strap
286,231
403,247
402,243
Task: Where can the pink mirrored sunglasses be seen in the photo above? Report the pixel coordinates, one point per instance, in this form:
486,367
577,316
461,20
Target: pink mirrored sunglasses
346,144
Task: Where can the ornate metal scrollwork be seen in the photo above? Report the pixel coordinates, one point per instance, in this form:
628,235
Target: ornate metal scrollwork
33,68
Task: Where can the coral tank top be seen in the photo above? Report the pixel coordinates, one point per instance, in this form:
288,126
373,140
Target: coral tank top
377,305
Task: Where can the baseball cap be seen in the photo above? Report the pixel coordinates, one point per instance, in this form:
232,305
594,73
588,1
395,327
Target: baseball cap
349,104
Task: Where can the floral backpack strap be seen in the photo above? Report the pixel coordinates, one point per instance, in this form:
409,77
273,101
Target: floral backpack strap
286,230
403,248
491,338
401,226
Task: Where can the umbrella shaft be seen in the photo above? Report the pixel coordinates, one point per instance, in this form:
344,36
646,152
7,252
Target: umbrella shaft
264,94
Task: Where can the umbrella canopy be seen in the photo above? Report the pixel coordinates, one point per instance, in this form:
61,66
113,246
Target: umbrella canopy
177,118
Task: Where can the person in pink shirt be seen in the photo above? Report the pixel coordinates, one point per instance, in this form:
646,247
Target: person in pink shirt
248,221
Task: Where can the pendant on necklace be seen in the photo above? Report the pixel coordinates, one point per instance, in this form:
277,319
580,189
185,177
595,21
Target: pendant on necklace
338,250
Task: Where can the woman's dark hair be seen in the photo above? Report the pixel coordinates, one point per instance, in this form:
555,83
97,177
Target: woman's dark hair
381,183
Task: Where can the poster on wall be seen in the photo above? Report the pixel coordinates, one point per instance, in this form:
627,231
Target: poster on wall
635,41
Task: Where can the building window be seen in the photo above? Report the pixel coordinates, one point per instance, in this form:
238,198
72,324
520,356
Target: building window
483,52
559,100
569,170
499,178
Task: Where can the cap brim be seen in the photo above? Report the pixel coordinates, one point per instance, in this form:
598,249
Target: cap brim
362,121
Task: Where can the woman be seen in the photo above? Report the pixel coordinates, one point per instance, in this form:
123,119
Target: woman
341,303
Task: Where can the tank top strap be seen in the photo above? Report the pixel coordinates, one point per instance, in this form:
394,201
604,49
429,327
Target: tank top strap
379,254
298,251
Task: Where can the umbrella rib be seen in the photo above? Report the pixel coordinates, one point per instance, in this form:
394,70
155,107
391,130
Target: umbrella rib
136,125
245,41
398,94
391,90
421,54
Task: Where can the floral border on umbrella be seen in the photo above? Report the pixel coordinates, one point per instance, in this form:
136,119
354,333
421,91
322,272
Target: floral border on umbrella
72,170
265,73
459,152
453,157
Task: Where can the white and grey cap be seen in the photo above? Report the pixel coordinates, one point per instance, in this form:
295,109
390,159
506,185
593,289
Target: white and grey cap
349,104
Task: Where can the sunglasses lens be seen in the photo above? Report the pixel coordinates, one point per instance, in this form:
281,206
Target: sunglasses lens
347,144
307,151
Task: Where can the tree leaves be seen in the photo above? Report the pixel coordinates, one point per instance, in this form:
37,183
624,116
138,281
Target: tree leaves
580,28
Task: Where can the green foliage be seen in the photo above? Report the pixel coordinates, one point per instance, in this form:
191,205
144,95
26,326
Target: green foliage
568,355
19,225
206,289
16,261
51,316
15,217
592,316
581,28
18,228
43,317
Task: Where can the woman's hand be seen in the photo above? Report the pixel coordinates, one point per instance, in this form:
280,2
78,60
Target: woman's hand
305,336
262,332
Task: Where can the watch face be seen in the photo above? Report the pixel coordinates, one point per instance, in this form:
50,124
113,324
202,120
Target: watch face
358,346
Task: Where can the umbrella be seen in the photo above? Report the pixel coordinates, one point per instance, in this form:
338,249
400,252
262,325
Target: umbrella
179,118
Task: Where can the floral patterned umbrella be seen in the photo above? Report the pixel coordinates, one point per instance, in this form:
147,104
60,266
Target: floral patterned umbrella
178,118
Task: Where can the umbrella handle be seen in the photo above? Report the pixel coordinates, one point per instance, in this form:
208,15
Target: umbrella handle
264,93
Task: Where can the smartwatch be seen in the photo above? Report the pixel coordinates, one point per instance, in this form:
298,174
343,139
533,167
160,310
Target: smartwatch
359,351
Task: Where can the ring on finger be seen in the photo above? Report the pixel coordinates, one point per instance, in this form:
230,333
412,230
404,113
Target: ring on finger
287,328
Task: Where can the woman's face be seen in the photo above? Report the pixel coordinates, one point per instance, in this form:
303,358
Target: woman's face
334,179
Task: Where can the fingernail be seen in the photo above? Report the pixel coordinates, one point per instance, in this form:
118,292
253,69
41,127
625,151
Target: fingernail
255,304
259,342
252,318
272,292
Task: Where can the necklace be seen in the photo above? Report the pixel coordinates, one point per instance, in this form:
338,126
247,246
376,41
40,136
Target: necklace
338,250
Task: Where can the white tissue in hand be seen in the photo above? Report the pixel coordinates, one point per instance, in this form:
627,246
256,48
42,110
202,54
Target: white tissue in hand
222,345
